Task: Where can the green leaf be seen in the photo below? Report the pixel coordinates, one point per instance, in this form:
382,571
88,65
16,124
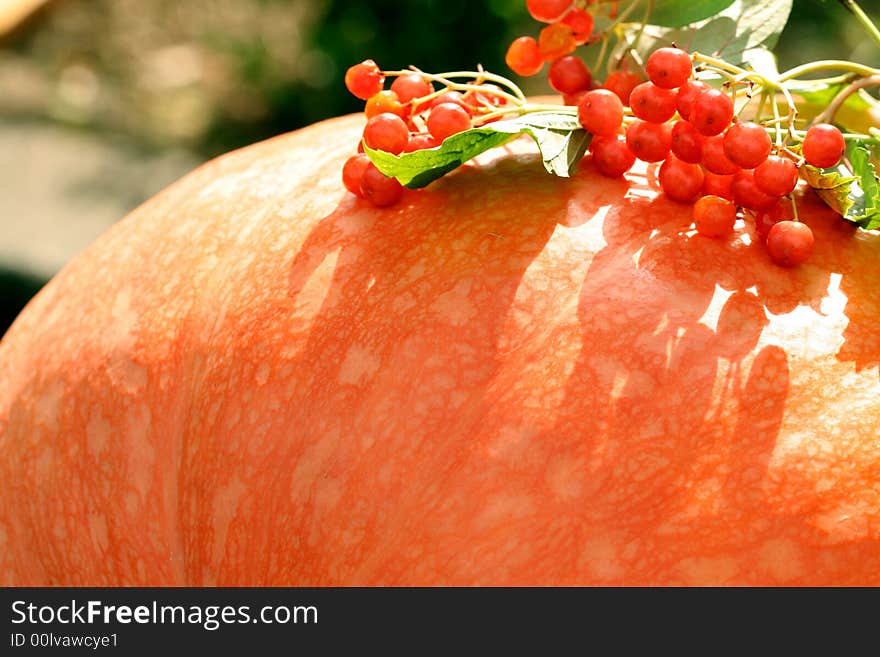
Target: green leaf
852,190
744,26
560,138
675,13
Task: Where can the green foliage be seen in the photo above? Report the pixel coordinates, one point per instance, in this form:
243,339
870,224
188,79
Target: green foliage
851,188
559,137
675,13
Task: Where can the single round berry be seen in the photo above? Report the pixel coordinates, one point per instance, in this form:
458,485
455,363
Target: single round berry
766,219
717,185
364,79
569,74
547,11
447,119
573,100
353,173
385,101
455,97
679,180
477,101
669,68
823,146
379,189
711,112
556,40
648,141
611,156
420,141
687,143
581,24
776,176
746,144
622,83
714,216
410,87
524,57
714,158
747,194
790,243
600,112
652,103
687,94
386,132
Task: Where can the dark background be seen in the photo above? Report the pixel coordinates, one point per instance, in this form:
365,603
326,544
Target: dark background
105,102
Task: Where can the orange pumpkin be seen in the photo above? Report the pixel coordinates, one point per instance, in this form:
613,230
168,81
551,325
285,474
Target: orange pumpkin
507,378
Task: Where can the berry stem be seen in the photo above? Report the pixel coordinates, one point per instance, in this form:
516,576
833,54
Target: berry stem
852,7
828,65
827,115
522,110
631,46
602,50
517,96
776,122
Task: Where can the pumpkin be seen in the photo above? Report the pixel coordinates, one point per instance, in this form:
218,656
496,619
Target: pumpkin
507,378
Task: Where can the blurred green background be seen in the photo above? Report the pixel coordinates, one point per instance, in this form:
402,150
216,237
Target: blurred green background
105,102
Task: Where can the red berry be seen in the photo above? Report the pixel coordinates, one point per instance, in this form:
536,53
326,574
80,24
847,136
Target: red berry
766,219
648,141
776,176
680,181
687,93
385,101
556,40
714,216
379,189
569,74
600,112
790,243
447,119
476,101
364,79
823,146
711,112
524,57
455,97
717,185
411,86
669,67
622,83
747,194
714,158
547,11
747,144
652,103
573,100
419,142
353,173
386,132
581,24
687,143
611,156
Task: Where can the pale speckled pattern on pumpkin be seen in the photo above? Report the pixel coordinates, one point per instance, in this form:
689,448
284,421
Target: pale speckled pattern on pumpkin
505,379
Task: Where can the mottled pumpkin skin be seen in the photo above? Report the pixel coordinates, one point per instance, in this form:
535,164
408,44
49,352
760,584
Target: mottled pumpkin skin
508,378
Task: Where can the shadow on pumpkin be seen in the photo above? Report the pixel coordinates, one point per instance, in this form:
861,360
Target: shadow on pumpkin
406,343
673,435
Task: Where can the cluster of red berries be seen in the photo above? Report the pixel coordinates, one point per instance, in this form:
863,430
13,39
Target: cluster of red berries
569,27
708,156
411,115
